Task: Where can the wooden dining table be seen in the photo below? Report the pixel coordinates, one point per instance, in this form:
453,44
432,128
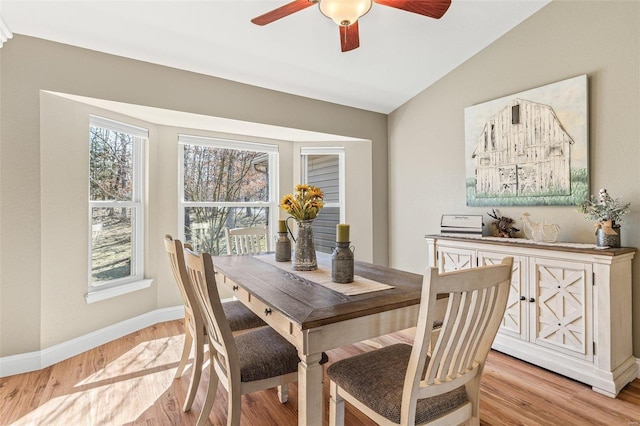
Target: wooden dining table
315,318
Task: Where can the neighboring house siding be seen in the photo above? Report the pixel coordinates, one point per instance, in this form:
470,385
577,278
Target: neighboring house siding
323,172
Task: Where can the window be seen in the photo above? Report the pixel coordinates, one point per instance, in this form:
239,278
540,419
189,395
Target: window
225,183
515,114
115,203
324,168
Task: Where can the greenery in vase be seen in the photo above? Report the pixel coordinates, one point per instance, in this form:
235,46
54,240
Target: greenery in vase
304,203
603,207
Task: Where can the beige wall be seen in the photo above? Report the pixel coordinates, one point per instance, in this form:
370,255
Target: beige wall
563,40
42,299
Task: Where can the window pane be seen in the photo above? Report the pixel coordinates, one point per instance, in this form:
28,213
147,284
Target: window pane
111,237
323,171
324,229
111,165
204,226
220,174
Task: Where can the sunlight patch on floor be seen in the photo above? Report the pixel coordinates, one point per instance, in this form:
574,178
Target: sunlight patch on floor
109,396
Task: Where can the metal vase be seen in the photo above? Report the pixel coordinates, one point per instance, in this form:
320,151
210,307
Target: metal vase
611,240
342,263
304,257
283,247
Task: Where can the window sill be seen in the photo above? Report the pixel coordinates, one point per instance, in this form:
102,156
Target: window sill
108,293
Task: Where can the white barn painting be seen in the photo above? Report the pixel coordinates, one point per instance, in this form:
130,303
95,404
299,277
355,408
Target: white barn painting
520,152
523,150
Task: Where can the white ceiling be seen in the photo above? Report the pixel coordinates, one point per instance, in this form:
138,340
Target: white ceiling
400,53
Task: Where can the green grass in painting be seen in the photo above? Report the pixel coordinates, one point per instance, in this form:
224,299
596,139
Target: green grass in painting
579,193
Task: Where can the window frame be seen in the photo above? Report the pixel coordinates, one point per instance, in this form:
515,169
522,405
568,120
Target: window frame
324,239
340,152
215,142
135,281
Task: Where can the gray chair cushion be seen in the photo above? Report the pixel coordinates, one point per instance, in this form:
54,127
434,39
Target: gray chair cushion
263,353
240,317
376,379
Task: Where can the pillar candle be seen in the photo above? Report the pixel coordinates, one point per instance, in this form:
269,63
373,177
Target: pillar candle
282,226
342,233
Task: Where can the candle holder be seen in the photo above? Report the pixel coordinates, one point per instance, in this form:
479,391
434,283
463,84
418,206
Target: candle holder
283,247
342,263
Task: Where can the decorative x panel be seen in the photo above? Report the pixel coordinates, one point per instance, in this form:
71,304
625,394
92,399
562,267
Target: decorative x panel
561,307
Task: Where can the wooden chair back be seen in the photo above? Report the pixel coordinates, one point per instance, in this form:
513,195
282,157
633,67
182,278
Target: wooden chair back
247,240
194,326
175,250
455,356
256,360
201,272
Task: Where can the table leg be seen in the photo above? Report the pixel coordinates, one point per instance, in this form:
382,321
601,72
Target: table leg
310,399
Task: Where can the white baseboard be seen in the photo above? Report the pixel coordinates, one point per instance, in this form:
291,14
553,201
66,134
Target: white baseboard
638,364
31,361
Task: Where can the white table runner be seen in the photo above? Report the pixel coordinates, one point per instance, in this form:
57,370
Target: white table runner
322,276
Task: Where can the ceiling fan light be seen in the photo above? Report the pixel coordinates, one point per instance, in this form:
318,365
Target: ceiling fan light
344,12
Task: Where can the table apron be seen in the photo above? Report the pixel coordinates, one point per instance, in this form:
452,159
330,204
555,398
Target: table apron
354,330
329,336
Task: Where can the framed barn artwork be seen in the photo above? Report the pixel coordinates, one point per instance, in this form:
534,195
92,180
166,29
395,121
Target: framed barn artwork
530,148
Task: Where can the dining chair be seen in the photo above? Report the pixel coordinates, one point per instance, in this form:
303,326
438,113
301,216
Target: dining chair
247,240
238,316
256,360
436,380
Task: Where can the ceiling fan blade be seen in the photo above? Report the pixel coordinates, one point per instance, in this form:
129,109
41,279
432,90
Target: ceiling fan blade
431,8
282,11
349,37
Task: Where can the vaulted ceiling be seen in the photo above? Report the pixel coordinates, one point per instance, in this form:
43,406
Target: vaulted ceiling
400,53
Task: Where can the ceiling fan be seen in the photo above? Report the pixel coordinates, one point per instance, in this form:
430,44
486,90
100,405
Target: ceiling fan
345,13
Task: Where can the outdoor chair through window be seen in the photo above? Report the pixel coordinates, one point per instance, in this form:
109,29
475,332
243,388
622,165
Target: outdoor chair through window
247,240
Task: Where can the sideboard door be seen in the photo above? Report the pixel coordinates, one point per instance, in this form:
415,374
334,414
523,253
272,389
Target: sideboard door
561,312
515,321
455,259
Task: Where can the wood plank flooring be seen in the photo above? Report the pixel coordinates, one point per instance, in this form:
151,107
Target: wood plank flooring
130,382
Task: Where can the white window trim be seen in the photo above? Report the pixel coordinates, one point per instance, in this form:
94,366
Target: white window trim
274,177
339,151
136,280
109,292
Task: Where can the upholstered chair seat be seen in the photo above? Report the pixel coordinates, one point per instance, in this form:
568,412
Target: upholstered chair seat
282,356
240,317
377,378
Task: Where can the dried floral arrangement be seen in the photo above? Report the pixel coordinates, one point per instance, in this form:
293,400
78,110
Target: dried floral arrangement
604,208
503,224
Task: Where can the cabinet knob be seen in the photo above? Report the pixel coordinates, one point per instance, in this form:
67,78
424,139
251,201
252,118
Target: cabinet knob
267,311
523,298
532,300
235,288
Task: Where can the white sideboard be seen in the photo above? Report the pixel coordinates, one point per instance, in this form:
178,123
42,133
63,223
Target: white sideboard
569,308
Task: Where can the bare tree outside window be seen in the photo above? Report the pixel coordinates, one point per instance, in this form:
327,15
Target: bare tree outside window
111,180
223,187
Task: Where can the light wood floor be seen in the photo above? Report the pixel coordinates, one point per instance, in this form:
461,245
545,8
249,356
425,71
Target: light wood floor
130,382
